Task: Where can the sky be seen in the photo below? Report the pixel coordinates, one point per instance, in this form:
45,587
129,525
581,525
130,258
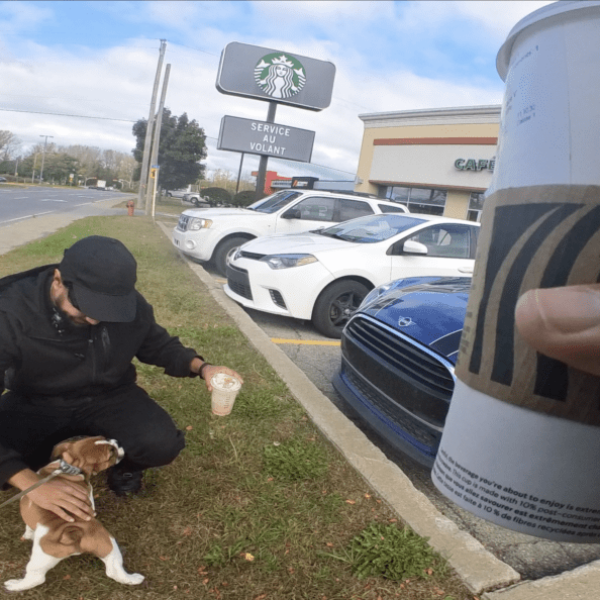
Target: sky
83,72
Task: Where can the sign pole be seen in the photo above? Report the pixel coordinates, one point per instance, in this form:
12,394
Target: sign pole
262,166
237,185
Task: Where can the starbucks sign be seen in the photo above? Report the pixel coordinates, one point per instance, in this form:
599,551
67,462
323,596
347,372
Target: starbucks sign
275,76
279,75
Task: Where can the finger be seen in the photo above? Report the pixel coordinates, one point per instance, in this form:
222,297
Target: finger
70,489
563,323
57,510
78,509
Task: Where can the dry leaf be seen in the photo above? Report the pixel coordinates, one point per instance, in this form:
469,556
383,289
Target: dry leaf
367,495
290,569
350,502
189,428
163,557
66,577
187,531
174,587
329,544
248,556
429,571
379,598
205,580
260,597
393,520
269,479
439,592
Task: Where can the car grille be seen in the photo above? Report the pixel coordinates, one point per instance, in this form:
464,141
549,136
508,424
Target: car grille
396,417
406,376
277,298
238,281
183,222
251,255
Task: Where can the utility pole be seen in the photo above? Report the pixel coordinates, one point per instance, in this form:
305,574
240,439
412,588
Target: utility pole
262,165
156,141
146,156
44,154
33,169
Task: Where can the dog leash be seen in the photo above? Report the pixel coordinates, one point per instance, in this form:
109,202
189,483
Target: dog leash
64,468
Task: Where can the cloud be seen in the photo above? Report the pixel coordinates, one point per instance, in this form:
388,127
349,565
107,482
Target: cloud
388,56
17,17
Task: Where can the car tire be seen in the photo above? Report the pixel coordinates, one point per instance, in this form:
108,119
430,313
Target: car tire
335,306
219,258
196,201
169,195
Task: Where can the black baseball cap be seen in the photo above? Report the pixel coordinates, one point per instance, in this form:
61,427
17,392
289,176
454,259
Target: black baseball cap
102,274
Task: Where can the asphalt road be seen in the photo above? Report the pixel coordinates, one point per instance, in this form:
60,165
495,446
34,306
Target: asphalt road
19,203
319,357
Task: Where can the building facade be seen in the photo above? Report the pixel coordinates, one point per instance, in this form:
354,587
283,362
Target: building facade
436,161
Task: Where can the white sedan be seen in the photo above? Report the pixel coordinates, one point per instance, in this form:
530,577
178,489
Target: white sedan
323,275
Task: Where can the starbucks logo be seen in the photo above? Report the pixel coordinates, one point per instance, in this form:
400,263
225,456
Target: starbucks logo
279,75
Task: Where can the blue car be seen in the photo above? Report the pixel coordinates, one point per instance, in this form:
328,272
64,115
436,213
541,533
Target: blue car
399,350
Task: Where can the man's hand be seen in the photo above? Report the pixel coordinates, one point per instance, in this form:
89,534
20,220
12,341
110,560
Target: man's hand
563,323
210,371
56,495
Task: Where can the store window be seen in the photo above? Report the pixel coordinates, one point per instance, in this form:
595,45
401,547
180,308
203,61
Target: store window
418,200
475,207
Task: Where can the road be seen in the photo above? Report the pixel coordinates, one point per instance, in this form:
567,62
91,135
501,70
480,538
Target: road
319,358
20,203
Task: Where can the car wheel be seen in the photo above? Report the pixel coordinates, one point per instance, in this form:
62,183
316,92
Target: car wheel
219,257
196,201
335,306
169,195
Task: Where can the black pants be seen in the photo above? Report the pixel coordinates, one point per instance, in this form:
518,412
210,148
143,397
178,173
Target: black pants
33,426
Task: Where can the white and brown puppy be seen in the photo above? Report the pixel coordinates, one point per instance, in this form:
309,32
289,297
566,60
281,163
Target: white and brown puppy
54,538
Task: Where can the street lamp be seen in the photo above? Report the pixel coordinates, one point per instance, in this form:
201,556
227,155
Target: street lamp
44,155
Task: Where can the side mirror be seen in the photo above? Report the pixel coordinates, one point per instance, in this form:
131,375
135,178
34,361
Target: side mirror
292,213
412,247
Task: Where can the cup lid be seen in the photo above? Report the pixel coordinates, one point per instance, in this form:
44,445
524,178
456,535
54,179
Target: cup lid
552,11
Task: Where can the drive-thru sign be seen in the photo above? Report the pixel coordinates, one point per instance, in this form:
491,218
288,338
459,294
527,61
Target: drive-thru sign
268,139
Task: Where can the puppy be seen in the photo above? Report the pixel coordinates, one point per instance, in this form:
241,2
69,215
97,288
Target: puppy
54,538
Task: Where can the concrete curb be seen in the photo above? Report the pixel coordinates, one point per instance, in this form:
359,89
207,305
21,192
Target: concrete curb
582,583
478,568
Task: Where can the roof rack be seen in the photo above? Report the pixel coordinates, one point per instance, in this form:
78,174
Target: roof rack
348,193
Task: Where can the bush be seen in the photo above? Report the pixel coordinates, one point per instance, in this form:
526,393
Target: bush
216,195
244,198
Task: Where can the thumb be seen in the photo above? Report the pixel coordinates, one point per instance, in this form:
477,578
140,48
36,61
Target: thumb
563,323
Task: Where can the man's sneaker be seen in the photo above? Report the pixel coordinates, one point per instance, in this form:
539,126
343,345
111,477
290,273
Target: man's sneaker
123,483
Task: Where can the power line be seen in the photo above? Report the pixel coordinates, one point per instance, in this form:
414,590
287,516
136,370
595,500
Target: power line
39,112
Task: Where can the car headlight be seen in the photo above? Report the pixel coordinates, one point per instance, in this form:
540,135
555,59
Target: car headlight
374,294
195,224
285,261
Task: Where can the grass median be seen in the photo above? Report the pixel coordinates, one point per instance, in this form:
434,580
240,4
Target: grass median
259,506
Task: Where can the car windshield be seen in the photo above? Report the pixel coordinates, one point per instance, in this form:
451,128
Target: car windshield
371,229
273,203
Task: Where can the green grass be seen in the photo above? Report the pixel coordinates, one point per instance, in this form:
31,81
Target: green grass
259,506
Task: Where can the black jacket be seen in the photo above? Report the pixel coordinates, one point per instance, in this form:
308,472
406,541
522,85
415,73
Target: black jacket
43,354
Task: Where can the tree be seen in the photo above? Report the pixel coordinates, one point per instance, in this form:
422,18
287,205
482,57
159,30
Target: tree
9,145
181,148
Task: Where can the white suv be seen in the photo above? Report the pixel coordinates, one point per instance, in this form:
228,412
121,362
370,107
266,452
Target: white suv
211,234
